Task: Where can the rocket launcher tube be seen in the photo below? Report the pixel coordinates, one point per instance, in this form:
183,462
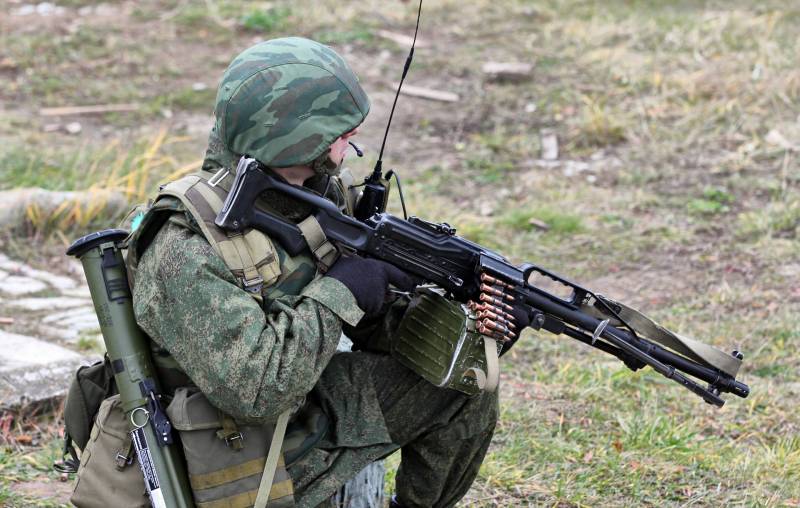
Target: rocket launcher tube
161,461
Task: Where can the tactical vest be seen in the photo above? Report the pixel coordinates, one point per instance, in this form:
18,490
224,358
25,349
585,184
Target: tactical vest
255,262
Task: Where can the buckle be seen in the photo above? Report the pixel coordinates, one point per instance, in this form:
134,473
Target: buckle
121,460
252,285
234,440
218,177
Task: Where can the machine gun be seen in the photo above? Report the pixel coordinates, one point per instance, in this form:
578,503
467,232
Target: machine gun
488,283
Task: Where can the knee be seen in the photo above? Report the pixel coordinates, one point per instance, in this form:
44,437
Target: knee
489,406
478,415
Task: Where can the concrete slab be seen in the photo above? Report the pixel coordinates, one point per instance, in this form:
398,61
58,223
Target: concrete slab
17,285
16,267
32,370
79,292
22,351
82,318
69,325
49,303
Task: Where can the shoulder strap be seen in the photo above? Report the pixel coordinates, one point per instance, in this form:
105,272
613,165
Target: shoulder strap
487,381
648,328
324,252
267,489
251,257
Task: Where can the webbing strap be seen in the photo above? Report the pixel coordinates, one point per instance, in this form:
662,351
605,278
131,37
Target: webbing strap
235,249
280,496
479,375
324,252
230,432
124,454
179,187
686,346
209,195
274,455
227,475
487,381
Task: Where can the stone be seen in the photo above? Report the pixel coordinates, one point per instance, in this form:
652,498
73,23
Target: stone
73,321
508,71
549,143
49,303
32,370
70,325
776,138
57,281
79,292
73,128
8,264
16,285
23,351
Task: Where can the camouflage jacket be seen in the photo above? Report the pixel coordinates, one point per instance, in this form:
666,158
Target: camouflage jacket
250,362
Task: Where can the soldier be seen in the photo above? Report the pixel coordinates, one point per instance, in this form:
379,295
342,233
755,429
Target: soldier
256,331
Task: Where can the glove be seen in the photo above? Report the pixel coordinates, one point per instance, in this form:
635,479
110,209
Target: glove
368,280
522,318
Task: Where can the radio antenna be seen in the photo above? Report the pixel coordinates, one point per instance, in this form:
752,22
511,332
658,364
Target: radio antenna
374,196
376,173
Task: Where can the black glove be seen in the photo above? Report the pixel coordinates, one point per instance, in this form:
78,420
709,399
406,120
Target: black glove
368,280
522,318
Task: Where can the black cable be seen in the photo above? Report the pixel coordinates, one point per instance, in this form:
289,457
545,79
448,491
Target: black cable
399,189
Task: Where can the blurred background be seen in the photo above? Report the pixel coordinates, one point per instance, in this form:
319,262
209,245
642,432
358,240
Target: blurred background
646,149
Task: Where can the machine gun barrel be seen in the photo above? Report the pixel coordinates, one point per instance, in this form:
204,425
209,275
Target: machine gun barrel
435,254
629,347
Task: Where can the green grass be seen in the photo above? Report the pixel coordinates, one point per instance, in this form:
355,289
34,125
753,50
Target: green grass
553,221
266,20
19,464
688,208
714,201
185,99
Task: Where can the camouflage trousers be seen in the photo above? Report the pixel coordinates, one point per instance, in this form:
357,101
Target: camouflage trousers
376,406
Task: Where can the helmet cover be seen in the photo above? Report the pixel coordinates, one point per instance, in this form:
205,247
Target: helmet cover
285,101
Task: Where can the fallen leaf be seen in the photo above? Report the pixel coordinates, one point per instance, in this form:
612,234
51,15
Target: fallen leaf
539,224
8,63
24,439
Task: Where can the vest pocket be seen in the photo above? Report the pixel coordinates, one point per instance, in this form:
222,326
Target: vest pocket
104,477
224,459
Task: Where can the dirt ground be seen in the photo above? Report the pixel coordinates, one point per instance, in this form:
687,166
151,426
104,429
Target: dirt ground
675,190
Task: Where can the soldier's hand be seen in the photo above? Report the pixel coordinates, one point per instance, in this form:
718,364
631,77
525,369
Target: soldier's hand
522,319
369,279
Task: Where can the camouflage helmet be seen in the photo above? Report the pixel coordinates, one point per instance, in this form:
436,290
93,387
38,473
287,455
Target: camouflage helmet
284,101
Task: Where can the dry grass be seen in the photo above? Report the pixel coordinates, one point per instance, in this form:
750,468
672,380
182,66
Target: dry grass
106,173
676,189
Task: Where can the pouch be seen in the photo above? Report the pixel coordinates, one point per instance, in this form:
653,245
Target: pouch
224,459
101,481
437,339
89,388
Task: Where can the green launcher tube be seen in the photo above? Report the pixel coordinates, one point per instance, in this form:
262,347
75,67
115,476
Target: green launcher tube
159,458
